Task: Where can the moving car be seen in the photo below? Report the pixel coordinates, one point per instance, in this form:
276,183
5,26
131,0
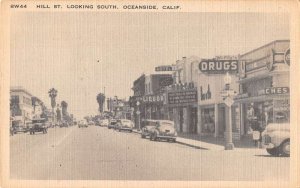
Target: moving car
82,123
276,137
163,130
124,124
38,125
90,123
112,124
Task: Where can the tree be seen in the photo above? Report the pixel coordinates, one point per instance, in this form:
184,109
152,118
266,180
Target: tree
101,100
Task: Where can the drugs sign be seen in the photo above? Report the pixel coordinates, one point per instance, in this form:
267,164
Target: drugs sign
214,66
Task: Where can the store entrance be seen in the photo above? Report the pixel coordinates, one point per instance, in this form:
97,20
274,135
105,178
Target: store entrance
193,120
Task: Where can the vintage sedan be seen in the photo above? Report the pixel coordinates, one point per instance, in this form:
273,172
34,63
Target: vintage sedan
82,123
147,125
38,125
124,125
104,122
276,139
163,130
112,124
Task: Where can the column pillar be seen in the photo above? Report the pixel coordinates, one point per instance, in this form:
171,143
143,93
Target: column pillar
199,127
216,120
242,119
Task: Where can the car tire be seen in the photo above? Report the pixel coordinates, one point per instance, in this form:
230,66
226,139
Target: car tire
273,151
285,148
143,136
155,137
151,137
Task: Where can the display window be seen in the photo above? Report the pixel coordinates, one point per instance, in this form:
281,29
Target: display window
208,120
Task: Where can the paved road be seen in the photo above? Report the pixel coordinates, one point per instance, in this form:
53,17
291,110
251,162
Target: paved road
96,153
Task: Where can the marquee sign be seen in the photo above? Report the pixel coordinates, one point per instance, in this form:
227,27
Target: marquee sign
182,97
214,66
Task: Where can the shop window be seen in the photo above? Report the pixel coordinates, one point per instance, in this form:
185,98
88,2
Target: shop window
208,120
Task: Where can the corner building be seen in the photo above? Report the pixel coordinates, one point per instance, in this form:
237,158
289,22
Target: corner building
264,85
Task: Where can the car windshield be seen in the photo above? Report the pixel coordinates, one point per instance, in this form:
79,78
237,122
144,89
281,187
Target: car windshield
166,124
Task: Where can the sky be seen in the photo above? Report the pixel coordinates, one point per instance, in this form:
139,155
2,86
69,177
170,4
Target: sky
80,53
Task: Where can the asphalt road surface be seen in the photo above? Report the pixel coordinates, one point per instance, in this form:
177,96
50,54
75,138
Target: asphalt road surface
97,153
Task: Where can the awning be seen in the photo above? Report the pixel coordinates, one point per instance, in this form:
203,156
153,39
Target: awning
262,98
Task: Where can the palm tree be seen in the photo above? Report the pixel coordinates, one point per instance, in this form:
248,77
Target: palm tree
52,94
101,99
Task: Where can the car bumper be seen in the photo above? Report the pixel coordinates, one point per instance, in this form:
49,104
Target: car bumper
268,146
126,128
166,136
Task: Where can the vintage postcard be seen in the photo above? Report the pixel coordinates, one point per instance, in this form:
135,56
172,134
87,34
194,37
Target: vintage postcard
150,93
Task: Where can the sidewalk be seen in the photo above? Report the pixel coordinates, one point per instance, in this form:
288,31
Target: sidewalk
209,142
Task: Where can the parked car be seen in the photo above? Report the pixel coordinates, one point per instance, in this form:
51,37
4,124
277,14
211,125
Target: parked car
112,124
38,125
276,139
63,124
147,125
82,123
18,126
90,123
163,130
124,125
104,122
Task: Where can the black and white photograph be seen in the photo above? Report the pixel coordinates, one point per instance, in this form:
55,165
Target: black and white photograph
149,92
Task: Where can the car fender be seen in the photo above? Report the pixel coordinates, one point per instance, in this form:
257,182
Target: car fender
278,137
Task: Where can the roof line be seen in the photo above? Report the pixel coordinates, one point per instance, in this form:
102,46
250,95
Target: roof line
268,44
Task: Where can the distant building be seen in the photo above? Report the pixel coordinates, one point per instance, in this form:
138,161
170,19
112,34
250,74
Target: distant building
21,104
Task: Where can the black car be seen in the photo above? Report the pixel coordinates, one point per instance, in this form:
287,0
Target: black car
38,125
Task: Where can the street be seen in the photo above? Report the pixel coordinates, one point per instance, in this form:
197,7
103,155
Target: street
97,153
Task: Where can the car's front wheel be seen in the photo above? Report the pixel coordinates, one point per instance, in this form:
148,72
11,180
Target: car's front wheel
273,151
285,148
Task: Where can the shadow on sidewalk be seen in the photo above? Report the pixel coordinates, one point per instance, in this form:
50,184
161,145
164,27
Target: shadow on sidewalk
245,142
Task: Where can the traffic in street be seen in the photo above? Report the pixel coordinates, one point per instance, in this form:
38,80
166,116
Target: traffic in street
99,153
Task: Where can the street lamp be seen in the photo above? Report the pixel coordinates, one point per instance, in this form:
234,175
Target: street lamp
228,94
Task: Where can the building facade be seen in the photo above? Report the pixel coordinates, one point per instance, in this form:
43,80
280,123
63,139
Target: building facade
264,85
182,96
21,104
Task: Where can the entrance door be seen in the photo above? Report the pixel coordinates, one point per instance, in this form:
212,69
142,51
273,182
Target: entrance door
193,120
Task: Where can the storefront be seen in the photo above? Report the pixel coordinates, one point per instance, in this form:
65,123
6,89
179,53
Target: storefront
213,113
181,104
264,87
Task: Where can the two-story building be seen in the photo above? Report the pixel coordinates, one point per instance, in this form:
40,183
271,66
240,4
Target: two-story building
264,85
21,104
